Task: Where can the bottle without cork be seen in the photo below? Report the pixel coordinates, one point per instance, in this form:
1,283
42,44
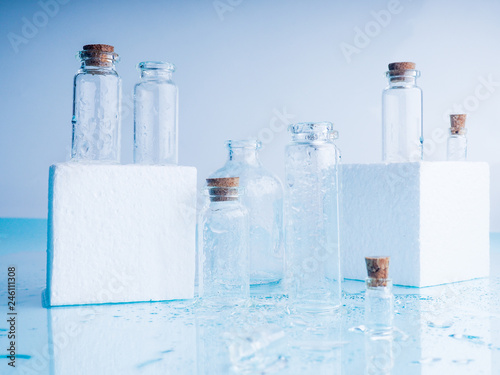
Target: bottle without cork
379,299
457,141
312,218
263,198
96,106
155,115
223,259
402,127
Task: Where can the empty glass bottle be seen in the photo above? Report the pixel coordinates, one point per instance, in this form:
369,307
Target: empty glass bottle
402,127
223,263
379,300
155,115
457,141
96,106
312,217
263,199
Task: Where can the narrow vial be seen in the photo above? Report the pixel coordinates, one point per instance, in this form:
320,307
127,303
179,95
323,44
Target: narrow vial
379,300
223,256
402,127
457,141
96,106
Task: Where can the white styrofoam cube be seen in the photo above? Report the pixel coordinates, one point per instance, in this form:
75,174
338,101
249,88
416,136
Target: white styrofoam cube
432,218
120,233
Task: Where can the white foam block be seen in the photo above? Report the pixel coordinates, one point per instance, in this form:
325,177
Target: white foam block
120,233
432,218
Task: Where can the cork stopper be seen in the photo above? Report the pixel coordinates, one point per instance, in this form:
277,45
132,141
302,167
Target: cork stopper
98,55
402,66
458,123
99,47
378,270
223,189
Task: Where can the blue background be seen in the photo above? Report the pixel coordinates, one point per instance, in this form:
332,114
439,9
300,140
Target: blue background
241,64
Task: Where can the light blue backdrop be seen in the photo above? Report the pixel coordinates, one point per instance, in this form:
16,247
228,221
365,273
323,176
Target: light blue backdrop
246,68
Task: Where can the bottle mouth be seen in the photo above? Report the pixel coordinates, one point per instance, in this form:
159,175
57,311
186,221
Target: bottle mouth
156,65
98,58
407,73
313,131
252,144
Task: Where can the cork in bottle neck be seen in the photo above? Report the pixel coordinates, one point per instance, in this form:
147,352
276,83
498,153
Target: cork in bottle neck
98,55
457,124
223,189
402,73
377,269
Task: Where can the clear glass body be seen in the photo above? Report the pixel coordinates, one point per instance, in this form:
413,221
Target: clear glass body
457,147
379,306
223,262
402,127
96,109
155,115
263,198
312,218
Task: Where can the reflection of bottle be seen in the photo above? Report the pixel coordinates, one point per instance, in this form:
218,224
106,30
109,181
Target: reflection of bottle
457,141
96,106
312,217
379,300
379,354
155,114
223,245
402,133
263,199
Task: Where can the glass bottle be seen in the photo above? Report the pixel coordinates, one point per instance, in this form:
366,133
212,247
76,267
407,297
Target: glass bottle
155,115
223,263
402,127
312,217
263,199
457,141
96,106
379,300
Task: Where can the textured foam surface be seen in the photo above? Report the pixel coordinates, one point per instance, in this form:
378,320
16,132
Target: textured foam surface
120,233
432,218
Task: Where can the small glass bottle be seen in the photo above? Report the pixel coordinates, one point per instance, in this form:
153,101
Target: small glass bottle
96,106
155,115
457,141
379,300
402,127
312,218
223,262
263,199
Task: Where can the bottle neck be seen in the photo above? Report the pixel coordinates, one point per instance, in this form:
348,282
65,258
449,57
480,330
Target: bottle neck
156,75
402,78
245,155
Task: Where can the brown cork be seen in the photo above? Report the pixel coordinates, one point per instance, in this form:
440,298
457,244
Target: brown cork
99,47
223,189
378,270
457,123
402,66
224,182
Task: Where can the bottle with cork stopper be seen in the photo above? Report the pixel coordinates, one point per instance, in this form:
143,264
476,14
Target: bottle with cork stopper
379,300
402,126
457,141
223,256
96,106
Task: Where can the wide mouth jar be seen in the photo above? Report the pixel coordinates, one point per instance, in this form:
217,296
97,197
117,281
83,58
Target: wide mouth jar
313,131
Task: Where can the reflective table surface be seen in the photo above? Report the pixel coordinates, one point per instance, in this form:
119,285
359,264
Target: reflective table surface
449,329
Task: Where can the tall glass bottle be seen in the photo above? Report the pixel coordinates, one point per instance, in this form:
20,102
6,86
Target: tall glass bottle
312,218
155,115
402,127
457,141
263,199
96,106
223,263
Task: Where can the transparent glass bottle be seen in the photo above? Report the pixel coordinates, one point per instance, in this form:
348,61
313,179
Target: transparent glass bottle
263,199
379,299
402,127
457,141
96,106
223,262
312,218
155,115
